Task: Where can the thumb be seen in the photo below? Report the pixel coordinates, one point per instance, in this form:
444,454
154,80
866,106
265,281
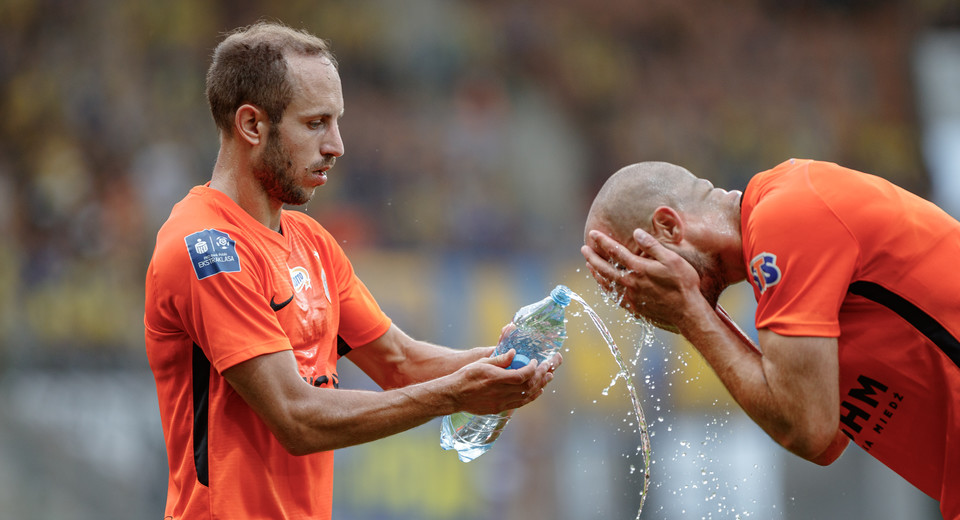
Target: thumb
504,360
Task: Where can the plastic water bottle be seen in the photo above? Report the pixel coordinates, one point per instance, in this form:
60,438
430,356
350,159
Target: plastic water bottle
538,334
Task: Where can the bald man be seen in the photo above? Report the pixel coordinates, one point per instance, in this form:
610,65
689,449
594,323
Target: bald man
857,308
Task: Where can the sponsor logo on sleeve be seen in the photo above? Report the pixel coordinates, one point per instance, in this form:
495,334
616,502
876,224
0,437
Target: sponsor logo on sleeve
764,271
211,252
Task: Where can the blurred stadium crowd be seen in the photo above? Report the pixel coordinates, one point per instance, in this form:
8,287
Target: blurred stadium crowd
473,127
457,113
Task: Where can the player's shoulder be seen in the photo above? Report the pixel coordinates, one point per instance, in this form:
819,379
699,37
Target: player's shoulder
812,173
777,198
774,183
796,170
196,223
797,179
200,203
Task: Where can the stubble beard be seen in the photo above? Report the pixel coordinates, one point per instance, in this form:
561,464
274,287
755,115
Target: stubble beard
274,170
712,282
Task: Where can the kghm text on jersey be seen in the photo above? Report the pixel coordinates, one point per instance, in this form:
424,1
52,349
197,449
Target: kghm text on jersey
867,410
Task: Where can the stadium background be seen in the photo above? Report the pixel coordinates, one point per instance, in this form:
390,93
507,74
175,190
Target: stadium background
476,133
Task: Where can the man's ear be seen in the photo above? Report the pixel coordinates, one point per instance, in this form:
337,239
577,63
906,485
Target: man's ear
667,225
250,124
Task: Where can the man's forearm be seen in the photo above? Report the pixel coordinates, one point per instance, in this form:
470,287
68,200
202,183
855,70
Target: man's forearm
395,359
777,393
737,331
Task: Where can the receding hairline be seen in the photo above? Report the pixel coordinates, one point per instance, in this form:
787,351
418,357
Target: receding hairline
286,38
251,65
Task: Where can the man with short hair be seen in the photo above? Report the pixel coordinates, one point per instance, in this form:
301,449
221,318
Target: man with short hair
857,307
249,307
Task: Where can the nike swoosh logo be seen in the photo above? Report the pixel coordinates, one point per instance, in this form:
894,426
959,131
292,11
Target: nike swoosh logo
277,306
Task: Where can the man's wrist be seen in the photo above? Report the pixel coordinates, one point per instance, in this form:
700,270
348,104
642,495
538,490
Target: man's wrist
695,317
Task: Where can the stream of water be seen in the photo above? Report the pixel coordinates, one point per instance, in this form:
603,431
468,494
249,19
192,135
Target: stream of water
624,374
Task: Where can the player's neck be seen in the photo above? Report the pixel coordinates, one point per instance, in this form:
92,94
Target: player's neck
737,271
237,181
731,251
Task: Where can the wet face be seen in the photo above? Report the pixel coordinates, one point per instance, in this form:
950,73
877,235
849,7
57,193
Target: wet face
305,144
687,214
707,264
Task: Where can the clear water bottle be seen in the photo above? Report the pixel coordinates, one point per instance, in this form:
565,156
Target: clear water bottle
538,333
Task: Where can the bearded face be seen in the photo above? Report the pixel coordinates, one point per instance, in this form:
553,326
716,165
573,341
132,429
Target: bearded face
274,169
711,278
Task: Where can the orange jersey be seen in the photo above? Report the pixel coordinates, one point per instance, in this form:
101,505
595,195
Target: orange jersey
221,289
832,252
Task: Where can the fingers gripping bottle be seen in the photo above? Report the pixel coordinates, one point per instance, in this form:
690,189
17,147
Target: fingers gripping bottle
538,334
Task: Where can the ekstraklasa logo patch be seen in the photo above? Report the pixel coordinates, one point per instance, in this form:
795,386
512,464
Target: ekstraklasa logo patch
212,252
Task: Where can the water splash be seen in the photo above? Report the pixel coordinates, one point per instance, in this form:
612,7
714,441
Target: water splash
624,374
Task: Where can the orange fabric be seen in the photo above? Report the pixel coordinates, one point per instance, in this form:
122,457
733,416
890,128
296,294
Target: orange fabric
810,230
211,288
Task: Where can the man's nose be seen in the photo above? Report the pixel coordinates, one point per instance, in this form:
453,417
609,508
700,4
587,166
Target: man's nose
333,143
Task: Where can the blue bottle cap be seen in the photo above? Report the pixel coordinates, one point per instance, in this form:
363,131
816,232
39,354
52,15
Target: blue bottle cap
561,295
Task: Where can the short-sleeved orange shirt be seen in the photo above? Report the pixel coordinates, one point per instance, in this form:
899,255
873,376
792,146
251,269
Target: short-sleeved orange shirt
832,252
221,289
